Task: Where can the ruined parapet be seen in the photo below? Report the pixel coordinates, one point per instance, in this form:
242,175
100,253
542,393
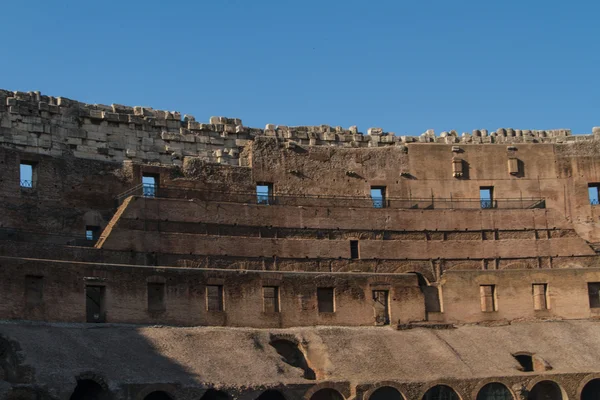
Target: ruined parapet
59,126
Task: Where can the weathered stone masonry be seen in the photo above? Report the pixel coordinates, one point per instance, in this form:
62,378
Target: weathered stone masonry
197,286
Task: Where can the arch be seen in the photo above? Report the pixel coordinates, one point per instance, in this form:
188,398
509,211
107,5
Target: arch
271,394
88,389
386,393
423,281
213,394
494,391
546,390
327,394
441,392
158,395
591,390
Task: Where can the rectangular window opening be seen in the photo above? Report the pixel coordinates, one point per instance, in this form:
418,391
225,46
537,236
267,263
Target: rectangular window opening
94,303
214,298
486,196
594,294
540,296
156,297
593,193
92,232
26,172
378,196
488,298
149,185
271,299
325,300
264,193
354,253
34,290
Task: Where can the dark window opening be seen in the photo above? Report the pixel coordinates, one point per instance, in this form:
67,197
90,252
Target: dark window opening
488,298
386,393
292,355
590,390
88,389
526,362
271,299
26,173
354,253
486,196
545,390
441,392
156,297
212,394
540,296
92,232
378,196
381,307
593,193
94,303
594,294
34,290
327,394
158,395
325,300
214,298
149,185
264,193
494,391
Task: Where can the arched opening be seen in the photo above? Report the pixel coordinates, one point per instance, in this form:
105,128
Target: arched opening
386,393
494,391
526,361
291,354
441,392
430,293
591,390
212,394
158,395
271,395
327,394
545,390
88,389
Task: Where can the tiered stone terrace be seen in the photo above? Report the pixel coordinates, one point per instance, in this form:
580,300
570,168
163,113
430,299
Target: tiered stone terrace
314,291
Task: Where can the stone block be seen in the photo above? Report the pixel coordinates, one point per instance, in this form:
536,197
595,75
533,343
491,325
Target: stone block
374,131
215,120
113,117
135,119
96,114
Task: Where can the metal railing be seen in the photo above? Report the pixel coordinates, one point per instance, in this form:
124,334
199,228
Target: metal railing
177,192
26,184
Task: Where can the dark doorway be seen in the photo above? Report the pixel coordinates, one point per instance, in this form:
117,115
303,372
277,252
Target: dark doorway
591,391
441,392
494,391
158,395
386,393
381,307
291,354
327,394
271,395
545,390
87,389
212,394
94,303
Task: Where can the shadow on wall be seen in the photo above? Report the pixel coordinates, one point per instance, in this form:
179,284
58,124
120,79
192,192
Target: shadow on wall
101,364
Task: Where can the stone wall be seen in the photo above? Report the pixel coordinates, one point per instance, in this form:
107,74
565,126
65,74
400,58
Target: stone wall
58,126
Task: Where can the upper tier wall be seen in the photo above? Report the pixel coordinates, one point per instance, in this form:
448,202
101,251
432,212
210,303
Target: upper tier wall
57,126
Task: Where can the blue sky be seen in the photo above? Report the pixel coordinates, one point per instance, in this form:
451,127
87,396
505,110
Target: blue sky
403,66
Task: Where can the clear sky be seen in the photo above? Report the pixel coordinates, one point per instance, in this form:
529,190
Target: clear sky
403,66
